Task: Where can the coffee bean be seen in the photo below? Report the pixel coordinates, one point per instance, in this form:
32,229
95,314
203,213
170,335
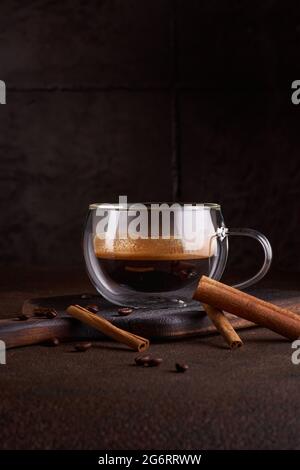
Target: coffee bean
154,362
141,360
93,308
40,312
82,347
53,342
45,312
52,313
148,361
23,317
123,311
180,367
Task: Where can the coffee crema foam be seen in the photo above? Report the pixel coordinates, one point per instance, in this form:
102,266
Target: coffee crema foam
147,249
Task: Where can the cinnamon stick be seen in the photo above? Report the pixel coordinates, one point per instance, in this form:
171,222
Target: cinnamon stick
223,326
96,321
223,297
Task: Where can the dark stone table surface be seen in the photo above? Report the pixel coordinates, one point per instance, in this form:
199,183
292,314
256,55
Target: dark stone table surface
53,398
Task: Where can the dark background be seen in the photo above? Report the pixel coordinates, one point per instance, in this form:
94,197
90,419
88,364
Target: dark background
159,100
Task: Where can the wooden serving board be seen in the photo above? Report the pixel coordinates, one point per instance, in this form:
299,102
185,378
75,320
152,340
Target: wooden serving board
159,324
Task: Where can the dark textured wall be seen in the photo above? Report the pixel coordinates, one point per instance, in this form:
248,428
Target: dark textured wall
156,99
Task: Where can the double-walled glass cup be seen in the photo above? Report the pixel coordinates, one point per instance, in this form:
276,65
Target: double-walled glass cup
143,255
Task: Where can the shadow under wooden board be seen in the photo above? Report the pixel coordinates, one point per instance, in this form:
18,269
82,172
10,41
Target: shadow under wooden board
162,324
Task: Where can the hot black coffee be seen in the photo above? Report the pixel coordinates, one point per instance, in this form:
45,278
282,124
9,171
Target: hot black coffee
150,265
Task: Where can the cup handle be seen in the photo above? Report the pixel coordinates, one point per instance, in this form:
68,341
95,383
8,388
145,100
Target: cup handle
247,232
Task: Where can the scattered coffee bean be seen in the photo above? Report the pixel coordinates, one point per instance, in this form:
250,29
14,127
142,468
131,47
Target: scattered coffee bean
23,317
148,361
45,312
123,311
180,367
53,342
52,313
142,360
39,312
82,347
93,308
154,362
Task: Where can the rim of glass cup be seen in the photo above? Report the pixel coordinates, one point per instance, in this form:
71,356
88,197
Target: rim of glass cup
187,205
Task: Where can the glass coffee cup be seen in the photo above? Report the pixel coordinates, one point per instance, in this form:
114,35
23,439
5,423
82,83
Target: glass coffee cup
153,254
